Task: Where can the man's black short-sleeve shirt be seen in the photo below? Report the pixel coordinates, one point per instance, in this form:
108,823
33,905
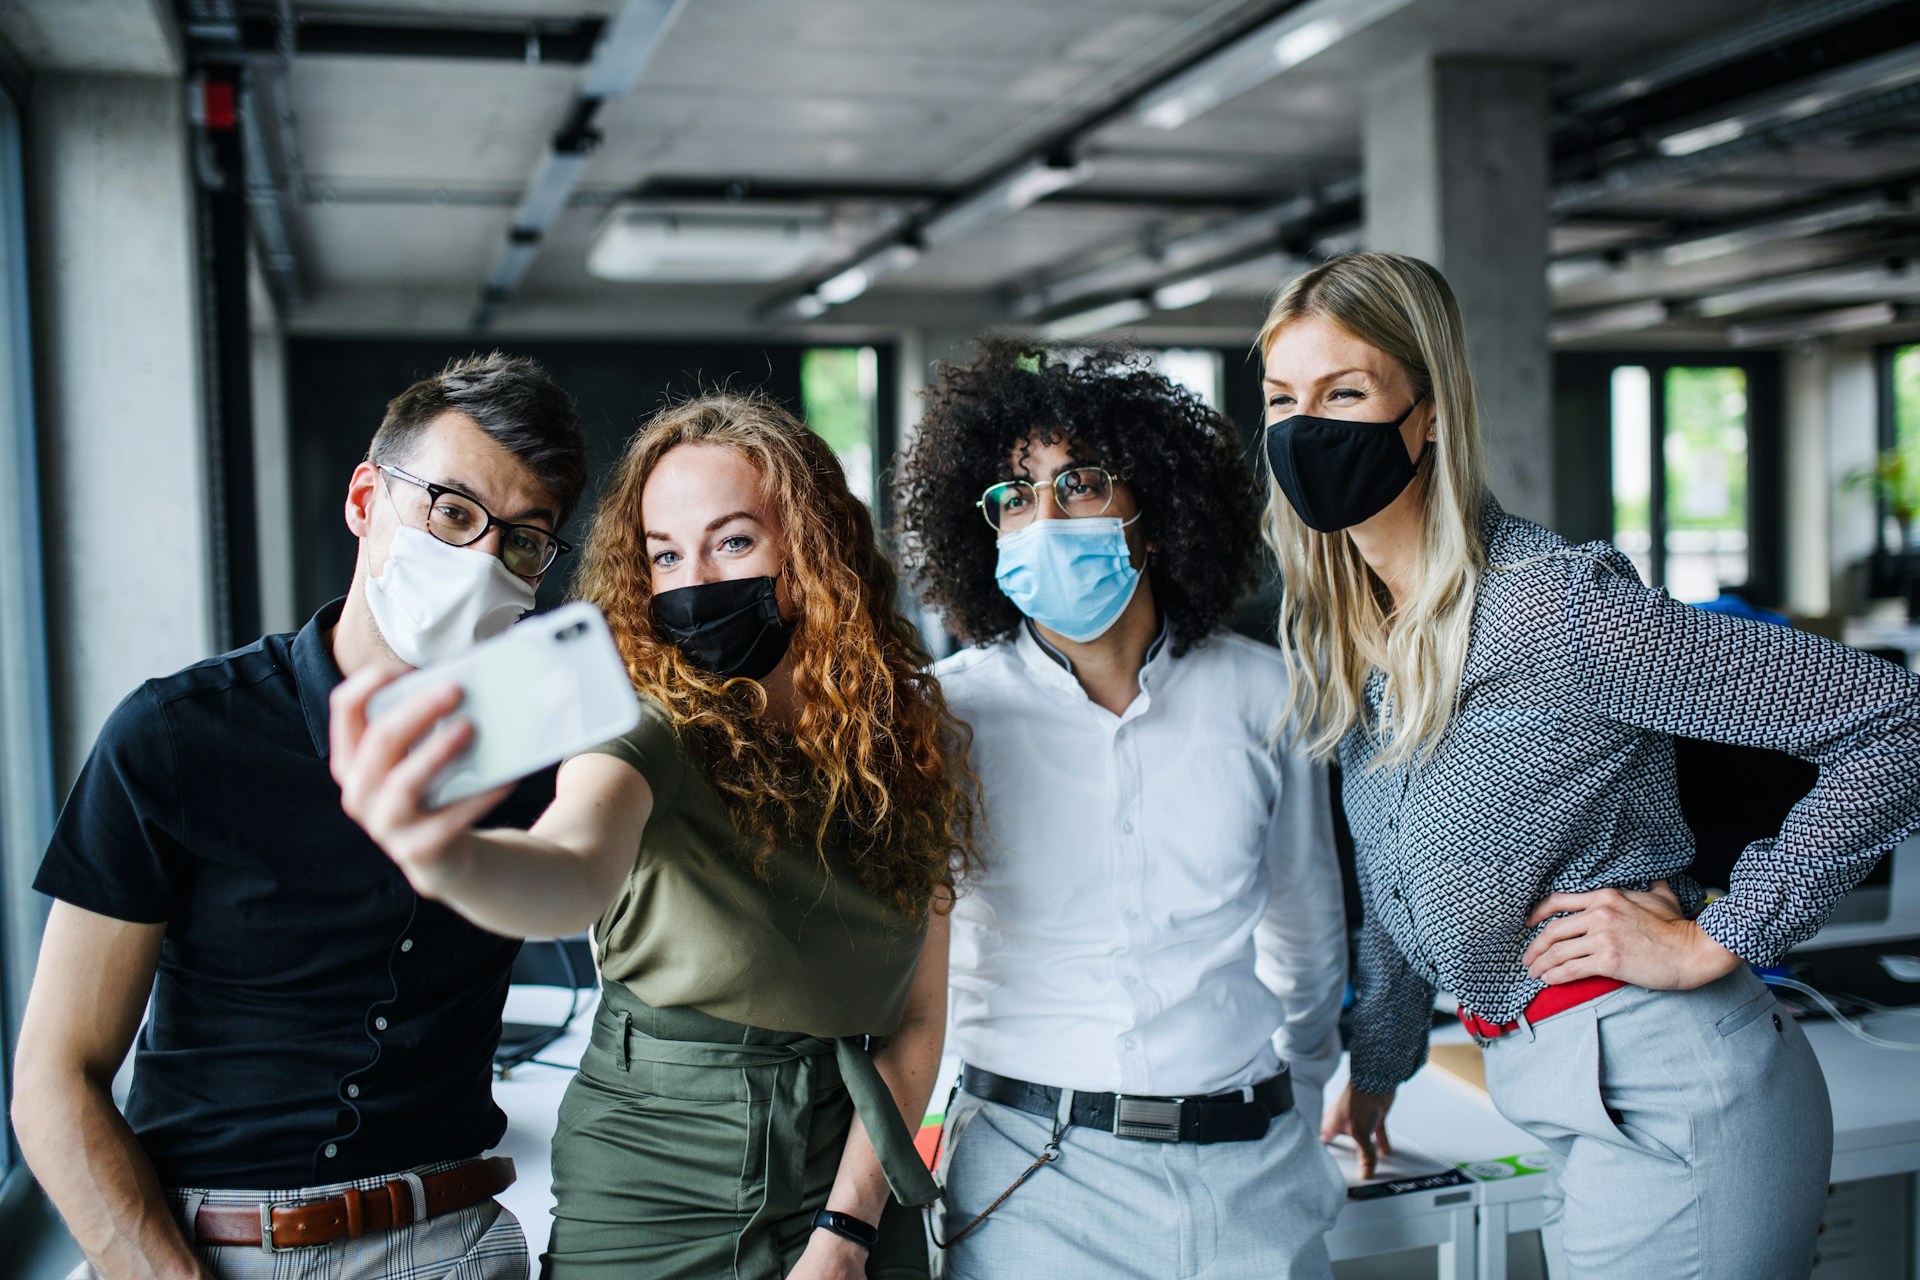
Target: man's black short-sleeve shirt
313,1019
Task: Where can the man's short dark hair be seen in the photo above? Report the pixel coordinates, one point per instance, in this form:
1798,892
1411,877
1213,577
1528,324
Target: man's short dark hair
514,402
1182,460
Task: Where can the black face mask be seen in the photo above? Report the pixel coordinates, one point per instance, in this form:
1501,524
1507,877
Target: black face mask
730,628
1338,473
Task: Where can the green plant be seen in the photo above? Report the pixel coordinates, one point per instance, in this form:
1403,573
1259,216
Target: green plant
1894,476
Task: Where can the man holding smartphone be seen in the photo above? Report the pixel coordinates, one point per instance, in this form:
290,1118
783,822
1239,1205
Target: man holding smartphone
311,1092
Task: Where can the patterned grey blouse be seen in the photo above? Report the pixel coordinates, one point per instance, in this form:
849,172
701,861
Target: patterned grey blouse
1557,774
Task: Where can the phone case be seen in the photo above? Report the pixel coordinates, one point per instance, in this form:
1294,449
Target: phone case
549,687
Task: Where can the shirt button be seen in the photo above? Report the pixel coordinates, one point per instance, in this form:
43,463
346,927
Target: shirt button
331,1151
406,944
379,1024
1127,826
353,1091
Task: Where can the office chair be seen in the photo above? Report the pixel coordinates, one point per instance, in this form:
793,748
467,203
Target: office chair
545,962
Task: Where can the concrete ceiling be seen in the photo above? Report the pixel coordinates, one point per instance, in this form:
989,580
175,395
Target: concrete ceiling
411,167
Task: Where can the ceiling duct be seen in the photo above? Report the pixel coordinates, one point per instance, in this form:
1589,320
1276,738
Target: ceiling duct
667,243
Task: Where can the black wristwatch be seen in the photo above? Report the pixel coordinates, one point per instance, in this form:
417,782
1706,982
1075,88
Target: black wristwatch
847,1227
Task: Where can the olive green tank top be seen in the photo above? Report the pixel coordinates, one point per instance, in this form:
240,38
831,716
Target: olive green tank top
806,948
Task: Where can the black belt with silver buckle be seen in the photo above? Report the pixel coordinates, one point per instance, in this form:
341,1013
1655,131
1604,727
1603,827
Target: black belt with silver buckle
1239,1115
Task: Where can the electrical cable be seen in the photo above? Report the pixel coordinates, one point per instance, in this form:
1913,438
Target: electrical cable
1853,1026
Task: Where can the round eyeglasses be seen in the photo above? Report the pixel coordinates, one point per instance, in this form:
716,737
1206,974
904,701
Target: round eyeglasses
1077,492
459,521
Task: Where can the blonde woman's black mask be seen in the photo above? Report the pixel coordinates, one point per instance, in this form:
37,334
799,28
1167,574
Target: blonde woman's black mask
1336,472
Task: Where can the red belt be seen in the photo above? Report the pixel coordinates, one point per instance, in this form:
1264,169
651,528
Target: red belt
1568,995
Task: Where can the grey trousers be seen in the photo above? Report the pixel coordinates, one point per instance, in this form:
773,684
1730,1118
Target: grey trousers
480,1242
1112,1208
1689,1133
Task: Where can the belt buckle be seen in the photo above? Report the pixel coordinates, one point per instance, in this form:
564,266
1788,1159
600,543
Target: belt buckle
1146,1119
266,1228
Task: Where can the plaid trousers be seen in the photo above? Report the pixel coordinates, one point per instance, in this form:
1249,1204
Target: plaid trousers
480,1242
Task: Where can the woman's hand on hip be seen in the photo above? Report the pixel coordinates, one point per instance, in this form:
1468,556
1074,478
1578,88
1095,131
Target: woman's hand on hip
830,1257
384,766
1362,1117
1638,938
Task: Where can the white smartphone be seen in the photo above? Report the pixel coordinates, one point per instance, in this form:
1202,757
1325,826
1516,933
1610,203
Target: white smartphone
547,688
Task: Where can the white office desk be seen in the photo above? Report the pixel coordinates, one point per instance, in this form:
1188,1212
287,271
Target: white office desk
1875,1096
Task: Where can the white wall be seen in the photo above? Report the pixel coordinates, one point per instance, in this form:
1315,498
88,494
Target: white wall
122,449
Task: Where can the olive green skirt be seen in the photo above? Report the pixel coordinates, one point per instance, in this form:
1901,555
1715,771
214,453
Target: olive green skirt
689,1146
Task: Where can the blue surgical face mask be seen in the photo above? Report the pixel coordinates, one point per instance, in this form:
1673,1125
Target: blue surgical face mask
1073,577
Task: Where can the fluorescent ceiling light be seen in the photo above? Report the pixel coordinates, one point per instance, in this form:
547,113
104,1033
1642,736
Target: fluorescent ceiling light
1843,320
1027,185
1792,227
1193,250
808,307
845,287
1304,31
1796,102
1838,283
1623,319
1269,270
1182,294
858,278
656,242
1563,273
1083,324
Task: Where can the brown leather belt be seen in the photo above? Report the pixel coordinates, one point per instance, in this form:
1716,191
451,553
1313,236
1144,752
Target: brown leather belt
351,1214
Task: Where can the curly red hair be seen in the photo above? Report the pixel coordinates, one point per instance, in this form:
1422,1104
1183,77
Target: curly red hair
876,758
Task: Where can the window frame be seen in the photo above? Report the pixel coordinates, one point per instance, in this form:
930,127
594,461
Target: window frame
1888,567
26,737
1765,491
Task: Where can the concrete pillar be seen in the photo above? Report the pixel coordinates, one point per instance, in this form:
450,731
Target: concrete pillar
1456,167
1809,488
123,452
1853,441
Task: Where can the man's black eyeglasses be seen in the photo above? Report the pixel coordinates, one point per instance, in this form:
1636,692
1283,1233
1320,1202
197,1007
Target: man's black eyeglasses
459,520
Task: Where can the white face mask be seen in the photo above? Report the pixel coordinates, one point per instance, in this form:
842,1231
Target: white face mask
432,600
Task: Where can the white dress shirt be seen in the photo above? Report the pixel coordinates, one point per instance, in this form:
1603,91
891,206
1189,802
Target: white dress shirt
1157,908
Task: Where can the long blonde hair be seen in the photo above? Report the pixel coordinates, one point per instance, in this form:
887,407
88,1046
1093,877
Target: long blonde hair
876,759
1338,621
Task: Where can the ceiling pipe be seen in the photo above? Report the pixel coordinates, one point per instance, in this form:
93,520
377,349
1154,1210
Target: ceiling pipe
626,45
1615,181
1304,31
1724,48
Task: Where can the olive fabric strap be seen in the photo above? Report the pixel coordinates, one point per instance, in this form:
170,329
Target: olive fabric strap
847,1227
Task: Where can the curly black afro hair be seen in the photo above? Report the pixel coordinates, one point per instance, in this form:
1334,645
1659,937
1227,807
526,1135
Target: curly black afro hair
1198,506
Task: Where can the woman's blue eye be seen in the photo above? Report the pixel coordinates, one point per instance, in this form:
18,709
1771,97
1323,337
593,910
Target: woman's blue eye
738,542
665,559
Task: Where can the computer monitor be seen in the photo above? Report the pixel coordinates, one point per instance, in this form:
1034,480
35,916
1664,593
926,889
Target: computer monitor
1732,796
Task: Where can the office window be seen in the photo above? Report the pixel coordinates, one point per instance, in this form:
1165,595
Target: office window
1687,522
840,395
1196,369
1900,433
